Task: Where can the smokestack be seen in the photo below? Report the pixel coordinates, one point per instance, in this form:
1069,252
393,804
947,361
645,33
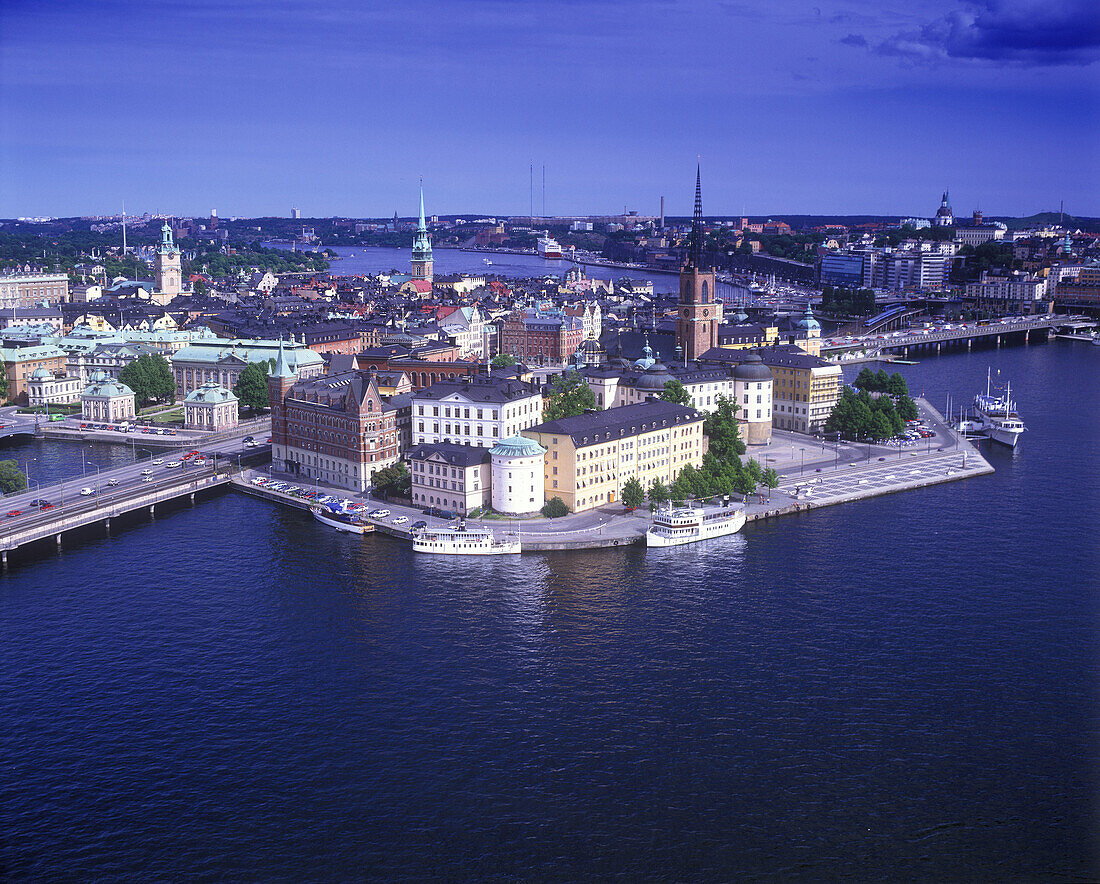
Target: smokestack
662,213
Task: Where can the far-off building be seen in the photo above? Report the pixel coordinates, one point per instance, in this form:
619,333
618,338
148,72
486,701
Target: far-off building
106,399
210,407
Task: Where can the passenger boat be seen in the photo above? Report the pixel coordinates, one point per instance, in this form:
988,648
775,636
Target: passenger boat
341,521
549,248
675,527
463,541
1000,422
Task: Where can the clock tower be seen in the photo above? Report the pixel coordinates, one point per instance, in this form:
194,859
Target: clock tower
698,312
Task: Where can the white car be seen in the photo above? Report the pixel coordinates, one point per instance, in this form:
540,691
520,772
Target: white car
146,478
147,472
401,520
112,482
172,463
158,461
87,492
379,514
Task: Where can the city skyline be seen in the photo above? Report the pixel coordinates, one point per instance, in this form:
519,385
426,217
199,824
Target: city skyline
253,108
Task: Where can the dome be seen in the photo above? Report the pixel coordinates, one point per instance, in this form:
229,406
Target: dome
99,376
41,374
752,368
655,377
517,446
807,321
647,357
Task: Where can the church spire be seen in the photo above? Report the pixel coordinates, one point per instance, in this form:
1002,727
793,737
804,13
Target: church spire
422,225
695,242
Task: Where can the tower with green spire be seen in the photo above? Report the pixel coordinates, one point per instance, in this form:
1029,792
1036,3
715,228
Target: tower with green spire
166,266
422,246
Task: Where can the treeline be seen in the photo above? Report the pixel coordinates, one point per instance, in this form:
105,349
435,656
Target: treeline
850,302
881,382
215,263
861,417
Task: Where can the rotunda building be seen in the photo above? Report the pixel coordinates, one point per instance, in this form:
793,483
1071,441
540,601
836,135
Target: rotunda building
752,388
517,469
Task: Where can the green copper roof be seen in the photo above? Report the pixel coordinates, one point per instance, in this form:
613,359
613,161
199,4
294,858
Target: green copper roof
283,367
517,446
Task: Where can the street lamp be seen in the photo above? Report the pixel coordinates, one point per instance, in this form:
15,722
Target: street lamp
802,465
836,452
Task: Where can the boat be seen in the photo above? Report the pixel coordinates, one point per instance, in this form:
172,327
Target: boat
998,416
487,261
463,541
549,248
349,523
677,526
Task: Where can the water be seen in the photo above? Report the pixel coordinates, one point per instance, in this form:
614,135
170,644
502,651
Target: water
899,688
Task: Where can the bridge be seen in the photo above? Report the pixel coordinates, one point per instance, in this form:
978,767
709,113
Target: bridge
9,430
938,337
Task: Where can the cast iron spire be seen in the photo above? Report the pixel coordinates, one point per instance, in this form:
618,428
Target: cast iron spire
696,253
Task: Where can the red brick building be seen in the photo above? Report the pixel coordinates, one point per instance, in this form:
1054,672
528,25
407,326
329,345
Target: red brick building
536,337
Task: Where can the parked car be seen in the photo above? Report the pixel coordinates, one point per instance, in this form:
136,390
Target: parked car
401,520
378,514
420,523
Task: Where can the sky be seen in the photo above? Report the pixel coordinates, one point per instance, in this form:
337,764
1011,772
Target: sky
251,107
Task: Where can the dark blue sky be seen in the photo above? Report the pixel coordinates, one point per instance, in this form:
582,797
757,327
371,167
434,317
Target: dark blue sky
254,106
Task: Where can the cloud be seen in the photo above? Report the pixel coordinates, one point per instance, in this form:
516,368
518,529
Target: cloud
1027,32
854,40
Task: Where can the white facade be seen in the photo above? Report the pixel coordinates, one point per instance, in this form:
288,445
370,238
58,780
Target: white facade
46,388
469,418
518,485
210,407
106,399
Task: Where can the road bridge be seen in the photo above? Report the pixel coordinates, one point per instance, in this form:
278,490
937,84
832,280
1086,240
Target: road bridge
935,338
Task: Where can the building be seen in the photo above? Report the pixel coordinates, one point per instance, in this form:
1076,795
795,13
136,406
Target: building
210,407
538,337
470,331
333,429
422,264
222,361
944,216
450,477
166,268
13,317
591,456
46,388
698,312
518,466
22,362
106,399
752,391
30,289
1020,294
804,388
478,411
977,232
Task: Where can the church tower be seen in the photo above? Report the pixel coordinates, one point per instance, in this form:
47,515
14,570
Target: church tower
422,246
281,378
698,313
166,265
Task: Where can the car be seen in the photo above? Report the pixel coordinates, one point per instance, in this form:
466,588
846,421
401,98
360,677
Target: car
192,454
13,513
378,514
252,443
37,502
112,482
158,462
172,463
401,520
882,458
146,430
147,472
249,439
420,523
87,492
146,478
47,506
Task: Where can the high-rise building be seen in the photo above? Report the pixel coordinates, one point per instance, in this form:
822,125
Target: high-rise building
698,313
422,247
295,213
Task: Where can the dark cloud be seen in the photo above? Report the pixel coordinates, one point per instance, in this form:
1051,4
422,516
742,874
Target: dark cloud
1030,32
854,40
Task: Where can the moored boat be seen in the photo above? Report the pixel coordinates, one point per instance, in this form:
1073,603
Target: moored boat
998,416
463,541
675,527
341,521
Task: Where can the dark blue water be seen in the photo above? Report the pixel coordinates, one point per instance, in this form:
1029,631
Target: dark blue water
900,688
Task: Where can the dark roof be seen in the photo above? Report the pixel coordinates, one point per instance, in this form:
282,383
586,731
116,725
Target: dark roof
482,388
450,452
594,427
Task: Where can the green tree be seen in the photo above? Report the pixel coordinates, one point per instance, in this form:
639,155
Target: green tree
865,380
555,508
674,391
658,493
393,481
569,396
720,427
199,287
633,493
896,385
251,387
771,479
880,427
11,477
906,408
150,377
502,360
3,381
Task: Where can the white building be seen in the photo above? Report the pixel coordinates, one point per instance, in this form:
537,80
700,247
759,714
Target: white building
477,411
106,399
28,289
46,388
210,407
517,472
1019,293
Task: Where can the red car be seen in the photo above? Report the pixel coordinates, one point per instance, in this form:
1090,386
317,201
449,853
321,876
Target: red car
14,513
47,506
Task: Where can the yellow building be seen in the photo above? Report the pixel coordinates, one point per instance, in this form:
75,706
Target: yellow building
805,389
590,457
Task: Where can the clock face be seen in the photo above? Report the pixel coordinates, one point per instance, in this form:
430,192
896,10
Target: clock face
706,313
685,314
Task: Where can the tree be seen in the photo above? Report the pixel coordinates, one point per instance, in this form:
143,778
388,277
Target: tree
199,287
771,479
3,381
393,480
880,427
906,408
502,360
896,385
865,380
658,493
569,396
674,391
251,387
720,427
11,477
555,508
150,377
633,493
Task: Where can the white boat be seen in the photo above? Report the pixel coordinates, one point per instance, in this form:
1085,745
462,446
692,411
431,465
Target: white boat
463,541
1000,422
487,261
674,527
341,521
549,248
